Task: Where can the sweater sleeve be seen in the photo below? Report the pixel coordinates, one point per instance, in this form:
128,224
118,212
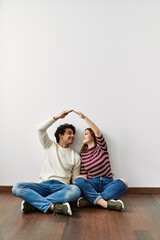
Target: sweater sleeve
101,142
45,141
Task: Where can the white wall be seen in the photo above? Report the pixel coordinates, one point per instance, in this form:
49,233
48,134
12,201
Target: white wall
99,57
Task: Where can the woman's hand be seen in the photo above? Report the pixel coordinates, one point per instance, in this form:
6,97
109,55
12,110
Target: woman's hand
80,114
82,176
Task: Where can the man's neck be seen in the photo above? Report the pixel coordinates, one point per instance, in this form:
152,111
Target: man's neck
63,145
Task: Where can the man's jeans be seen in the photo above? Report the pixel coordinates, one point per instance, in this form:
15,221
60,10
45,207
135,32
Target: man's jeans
101,187
42,195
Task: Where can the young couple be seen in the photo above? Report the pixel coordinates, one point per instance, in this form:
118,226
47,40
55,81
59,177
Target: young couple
67,176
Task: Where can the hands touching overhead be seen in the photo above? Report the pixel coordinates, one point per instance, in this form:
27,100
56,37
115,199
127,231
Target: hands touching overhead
89,122
65,113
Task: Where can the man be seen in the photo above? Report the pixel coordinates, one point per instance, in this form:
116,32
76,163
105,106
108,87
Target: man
61,165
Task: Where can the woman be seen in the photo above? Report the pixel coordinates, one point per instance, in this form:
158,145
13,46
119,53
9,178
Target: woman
96,180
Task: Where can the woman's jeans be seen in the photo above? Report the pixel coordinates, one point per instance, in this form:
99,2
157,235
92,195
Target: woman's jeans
101,187
42,195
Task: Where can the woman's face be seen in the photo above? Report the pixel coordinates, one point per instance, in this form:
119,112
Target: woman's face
87,137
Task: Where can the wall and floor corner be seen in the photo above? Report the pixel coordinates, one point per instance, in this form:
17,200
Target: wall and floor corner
99,57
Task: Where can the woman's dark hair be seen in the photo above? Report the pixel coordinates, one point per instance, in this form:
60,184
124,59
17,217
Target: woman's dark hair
85,146
61,130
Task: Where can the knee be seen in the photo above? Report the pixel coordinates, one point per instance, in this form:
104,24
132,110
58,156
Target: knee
73,194
75,191
80,181
17,189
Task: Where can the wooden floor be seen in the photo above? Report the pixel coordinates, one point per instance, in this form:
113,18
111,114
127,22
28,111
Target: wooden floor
139,221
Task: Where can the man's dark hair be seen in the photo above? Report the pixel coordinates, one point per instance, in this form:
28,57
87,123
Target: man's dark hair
61,130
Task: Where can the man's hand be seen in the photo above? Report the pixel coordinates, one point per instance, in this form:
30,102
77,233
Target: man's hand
62,114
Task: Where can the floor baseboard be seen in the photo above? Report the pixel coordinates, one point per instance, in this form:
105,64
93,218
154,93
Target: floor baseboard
131,190
144,190
6,189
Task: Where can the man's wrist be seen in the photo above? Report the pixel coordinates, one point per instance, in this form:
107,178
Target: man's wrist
55,118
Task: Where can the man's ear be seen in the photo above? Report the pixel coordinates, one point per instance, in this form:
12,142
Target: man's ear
60,136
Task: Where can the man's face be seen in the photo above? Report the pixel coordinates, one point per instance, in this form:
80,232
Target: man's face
67,138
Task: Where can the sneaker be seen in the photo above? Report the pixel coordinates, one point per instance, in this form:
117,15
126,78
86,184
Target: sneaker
115,205
26,207
63,208
81,202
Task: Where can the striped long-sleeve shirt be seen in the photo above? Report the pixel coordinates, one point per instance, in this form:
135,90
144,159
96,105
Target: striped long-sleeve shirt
95,161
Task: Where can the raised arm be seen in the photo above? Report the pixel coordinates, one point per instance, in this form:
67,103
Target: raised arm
42,128
90,123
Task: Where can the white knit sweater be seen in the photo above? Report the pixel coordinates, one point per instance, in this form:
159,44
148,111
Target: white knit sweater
59,163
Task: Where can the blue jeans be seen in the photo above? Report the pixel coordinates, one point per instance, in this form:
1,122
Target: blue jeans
101,187
42,195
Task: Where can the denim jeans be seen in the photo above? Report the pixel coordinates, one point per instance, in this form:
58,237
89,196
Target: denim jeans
42,195
101,187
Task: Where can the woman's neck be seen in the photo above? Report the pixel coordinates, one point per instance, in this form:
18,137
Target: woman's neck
91,145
